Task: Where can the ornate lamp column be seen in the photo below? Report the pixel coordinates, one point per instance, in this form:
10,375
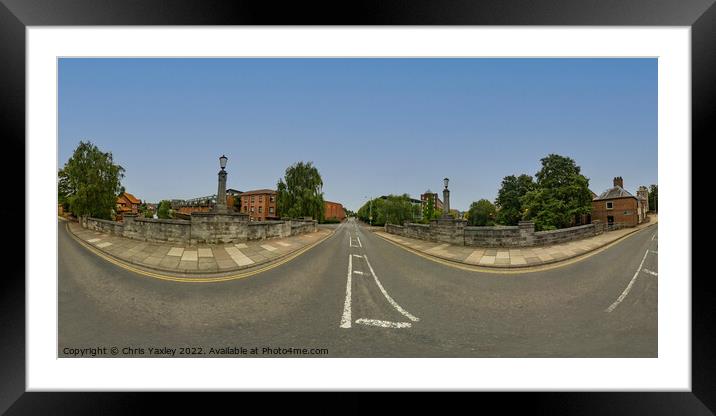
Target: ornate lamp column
446,199
221,192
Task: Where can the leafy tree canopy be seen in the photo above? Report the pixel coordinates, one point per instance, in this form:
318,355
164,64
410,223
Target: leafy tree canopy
481,213
509,198
90,182
164,210
653,197
300,193
561,193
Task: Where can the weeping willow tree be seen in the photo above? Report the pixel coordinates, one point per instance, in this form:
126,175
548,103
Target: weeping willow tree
300,192
90,182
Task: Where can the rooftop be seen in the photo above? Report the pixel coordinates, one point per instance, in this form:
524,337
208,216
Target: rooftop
259,191
615,192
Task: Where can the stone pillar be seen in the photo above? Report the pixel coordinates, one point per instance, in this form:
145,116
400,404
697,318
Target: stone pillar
527,233
446,203
221,192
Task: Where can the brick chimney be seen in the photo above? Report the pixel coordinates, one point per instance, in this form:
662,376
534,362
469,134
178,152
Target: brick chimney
618,181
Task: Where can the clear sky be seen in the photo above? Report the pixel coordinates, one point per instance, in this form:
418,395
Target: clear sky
371,126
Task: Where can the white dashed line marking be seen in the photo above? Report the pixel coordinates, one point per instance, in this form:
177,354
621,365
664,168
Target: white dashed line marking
650,272
383,324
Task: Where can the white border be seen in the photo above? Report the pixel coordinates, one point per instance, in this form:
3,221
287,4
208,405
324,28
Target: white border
671,371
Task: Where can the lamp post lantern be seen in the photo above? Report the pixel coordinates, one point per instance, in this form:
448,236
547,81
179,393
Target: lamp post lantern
446,199
221,192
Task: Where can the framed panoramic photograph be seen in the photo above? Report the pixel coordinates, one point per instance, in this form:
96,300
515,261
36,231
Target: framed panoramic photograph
465,198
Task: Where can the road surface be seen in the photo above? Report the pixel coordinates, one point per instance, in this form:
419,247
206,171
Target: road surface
357,295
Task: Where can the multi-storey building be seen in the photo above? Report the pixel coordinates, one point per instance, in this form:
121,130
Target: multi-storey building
437,203
333,210
259,204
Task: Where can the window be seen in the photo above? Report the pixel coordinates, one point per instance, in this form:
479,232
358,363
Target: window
271,210
261,198
252,209
252,198
273,198
610,205
260,209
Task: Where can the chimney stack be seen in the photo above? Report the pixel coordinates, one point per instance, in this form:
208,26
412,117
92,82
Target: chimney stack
618,181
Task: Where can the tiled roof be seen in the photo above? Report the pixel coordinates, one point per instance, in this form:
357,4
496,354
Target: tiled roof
131,198
259,191
615,192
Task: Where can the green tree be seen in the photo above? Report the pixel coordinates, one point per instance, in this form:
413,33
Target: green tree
164,210
561,193
509,198
301,195
90,182
653,197
429,207
397,209
481,213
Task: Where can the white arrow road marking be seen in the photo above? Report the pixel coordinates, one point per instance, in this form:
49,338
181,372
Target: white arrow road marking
383,324
650,272
346,319
628,288
387,296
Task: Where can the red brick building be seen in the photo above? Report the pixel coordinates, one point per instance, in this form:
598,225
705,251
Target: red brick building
617,206
127,203
437,203
259,204
333,210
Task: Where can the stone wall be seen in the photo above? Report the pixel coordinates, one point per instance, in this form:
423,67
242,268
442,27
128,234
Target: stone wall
105,226
203,227
210,227
156,230
564,235
522,235
492,236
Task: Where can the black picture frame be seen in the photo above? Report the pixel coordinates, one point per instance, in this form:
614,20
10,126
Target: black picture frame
16,15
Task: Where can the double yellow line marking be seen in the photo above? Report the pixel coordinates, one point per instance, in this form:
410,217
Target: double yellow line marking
173,278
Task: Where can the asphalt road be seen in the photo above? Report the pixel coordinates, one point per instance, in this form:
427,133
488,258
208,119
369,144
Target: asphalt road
400,305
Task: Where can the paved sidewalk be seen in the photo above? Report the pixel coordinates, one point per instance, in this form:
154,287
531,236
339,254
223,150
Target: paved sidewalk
196,259
513,257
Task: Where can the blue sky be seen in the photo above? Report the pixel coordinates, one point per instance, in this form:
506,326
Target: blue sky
371,126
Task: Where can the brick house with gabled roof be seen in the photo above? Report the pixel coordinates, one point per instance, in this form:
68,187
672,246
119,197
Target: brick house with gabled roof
617,206
127,203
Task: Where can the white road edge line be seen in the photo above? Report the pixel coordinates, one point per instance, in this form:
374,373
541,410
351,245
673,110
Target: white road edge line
359,243
387,296
383,324
628,288
650,272
346,319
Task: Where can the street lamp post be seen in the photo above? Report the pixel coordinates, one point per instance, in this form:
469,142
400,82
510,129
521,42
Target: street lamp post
446,199
221,193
